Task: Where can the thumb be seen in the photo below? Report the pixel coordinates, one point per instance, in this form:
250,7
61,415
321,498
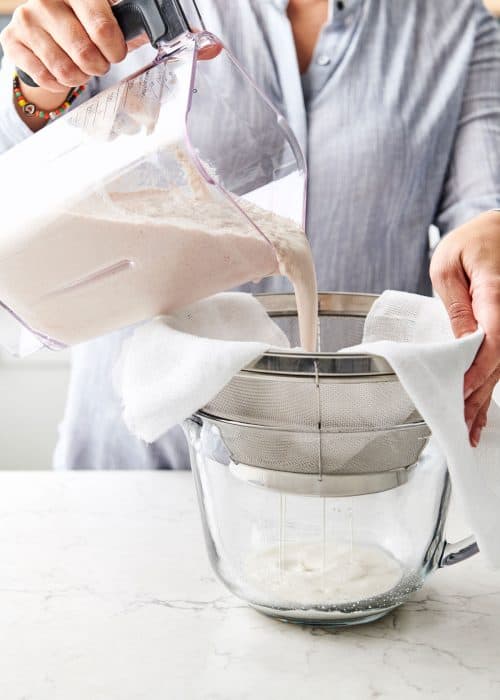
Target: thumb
210,49
453,289
136,43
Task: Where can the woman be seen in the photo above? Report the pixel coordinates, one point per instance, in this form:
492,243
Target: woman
396,105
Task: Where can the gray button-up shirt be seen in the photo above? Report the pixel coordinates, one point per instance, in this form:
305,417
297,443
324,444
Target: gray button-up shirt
399,116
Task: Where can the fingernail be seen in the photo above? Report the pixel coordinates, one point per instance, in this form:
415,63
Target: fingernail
469,424
468,392
476,437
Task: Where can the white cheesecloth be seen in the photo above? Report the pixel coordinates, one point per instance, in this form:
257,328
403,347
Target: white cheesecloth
174,365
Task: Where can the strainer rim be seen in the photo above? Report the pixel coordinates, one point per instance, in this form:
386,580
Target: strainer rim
348,304
400,427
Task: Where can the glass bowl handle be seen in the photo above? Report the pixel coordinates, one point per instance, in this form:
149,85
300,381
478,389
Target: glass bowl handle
455,552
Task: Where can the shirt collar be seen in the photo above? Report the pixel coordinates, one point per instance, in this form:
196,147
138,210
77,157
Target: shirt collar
337,9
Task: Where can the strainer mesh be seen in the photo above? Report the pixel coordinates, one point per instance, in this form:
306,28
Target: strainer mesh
340,453
333,424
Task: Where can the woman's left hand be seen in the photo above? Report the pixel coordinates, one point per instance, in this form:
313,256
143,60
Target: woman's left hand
465,272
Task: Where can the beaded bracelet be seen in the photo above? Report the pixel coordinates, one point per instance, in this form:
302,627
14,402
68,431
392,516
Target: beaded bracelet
31,110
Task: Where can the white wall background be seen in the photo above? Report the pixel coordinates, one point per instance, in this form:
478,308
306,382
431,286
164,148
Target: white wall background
32,396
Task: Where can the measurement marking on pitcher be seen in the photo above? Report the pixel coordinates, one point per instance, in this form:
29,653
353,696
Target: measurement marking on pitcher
349,514
318,394
324,543
282,537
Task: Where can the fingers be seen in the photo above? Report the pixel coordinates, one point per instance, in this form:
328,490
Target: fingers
486,302
209,51
465,271
452,286
484,366
136,43
67,31
31,64
102,28
58,64
61,43
206,51
476,407
484,373
479,424
33,49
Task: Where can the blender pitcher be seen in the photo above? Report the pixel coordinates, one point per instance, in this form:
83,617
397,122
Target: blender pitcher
140,201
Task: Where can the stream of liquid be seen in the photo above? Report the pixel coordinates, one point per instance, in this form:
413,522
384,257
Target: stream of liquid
282,536
333,569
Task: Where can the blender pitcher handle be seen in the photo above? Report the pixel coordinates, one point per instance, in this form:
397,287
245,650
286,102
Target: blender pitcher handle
455,552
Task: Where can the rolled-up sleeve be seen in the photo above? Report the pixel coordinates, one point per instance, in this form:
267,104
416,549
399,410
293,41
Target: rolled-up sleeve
473,179
12,128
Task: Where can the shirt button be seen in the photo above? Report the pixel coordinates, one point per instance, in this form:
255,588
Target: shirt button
323,60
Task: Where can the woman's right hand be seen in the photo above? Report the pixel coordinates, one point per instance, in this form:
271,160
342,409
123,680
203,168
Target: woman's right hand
63,43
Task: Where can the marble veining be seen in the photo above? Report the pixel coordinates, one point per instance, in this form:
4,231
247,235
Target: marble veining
106,593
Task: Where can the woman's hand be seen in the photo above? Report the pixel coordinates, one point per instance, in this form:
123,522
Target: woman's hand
62,43
465,271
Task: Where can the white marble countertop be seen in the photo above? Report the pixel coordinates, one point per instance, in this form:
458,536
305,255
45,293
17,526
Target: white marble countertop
106,593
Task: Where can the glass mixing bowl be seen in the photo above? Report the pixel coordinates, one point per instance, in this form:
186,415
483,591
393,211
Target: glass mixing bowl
336,523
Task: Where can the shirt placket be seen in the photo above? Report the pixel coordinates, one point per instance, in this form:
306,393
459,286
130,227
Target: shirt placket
285,57
332,44
299,91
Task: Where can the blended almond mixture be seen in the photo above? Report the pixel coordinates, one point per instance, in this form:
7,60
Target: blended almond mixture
123,257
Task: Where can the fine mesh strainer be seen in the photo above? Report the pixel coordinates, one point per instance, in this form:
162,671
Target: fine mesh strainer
323,423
